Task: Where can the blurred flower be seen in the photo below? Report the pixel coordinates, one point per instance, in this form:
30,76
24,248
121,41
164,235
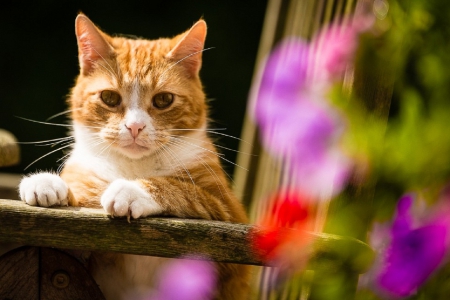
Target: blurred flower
282,239
185,279
296,122
334,48
289,210
412,253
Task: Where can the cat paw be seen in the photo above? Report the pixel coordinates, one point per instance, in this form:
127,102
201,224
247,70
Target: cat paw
127,198
44,189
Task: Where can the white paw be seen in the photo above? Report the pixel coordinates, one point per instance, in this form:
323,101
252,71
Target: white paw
44,189
128,198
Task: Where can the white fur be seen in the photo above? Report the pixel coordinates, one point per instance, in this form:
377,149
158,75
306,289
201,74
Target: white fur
127,198
112,164
43,189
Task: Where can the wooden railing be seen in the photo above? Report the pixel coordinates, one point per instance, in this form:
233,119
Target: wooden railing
93,230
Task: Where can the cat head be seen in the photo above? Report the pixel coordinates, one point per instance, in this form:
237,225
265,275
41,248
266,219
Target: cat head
134,95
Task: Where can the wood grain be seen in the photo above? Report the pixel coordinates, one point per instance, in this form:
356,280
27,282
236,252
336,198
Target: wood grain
94,230
44,273
19,274
63,277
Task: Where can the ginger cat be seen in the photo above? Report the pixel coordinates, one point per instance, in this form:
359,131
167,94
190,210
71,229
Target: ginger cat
141,148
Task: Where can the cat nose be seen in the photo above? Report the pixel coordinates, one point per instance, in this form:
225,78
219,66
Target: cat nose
135,128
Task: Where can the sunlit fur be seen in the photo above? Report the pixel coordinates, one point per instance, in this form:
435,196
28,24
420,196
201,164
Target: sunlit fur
172,159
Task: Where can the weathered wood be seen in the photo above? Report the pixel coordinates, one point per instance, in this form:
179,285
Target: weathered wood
94,230
44,273
19,274
63,277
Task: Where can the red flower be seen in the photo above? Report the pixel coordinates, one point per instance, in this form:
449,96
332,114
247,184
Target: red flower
290,210
286,223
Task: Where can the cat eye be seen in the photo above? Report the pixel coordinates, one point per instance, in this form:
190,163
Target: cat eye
163,100
110,98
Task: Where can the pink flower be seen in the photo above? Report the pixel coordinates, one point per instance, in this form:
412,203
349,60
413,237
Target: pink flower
334,48
185,279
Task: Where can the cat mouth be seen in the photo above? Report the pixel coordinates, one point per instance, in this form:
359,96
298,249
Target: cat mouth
135,148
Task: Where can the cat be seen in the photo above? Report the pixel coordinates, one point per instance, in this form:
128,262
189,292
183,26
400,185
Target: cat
141,148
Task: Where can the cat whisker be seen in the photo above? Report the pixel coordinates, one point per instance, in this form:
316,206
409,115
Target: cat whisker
45,155
65,142
96,141
61,144
161,151
105,148
216,145
95,127
212,131
184,58
48,142
179,162
194,129
64,160
219,155
55,124
108,70
64,157
62,113
206,165
212,152
45,123
111,70
227,135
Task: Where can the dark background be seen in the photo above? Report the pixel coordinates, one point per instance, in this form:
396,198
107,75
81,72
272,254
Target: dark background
38,60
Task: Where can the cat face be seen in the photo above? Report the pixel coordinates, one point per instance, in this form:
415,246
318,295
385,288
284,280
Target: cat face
133,95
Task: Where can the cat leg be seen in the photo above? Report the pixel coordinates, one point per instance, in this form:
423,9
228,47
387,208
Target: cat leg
127,198
44,189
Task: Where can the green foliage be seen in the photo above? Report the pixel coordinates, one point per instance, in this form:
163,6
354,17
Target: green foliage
409,50
407,149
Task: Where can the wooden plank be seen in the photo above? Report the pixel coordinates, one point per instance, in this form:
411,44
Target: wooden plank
93,230
63,277
19,274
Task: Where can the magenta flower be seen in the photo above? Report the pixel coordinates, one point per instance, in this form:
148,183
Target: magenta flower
296,122
186,280
334,48
413,253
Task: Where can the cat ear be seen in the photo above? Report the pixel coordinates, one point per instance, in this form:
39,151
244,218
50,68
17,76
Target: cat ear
92,45
189,48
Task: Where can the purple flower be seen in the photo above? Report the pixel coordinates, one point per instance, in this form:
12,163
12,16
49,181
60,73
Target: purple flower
296,122
186,280
413,253
282,82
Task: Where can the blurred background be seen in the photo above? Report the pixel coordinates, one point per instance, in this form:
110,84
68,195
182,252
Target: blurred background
38,60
